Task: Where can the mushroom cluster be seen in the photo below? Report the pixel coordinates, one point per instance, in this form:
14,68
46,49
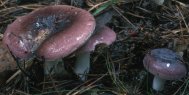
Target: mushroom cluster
164,64
54,32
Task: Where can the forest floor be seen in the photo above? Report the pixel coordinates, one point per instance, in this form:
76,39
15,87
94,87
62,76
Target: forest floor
140,25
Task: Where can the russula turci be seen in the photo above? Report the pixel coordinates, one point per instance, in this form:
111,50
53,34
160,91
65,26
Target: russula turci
164,64
49,33
104,35
52,32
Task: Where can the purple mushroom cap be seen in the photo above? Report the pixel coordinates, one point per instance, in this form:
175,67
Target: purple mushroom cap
165,64
52,32
104,35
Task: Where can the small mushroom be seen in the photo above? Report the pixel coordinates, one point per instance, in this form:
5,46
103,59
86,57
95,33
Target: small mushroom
49,33
164,64
104,35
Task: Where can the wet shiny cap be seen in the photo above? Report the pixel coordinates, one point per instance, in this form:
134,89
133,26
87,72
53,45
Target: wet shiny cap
165,63
51,32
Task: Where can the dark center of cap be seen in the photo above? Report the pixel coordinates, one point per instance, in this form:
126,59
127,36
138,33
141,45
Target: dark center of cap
165,55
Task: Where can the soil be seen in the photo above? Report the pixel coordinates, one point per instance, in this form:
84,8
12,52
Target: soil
140,25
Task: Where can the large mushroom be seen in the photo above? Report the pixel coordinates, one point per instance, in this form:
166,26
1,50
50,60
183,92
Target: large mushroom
49,33
164,64
104,35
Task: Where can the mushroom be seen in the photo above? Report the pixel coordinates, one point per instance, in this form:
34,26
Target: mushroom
164,64
104,35
49,33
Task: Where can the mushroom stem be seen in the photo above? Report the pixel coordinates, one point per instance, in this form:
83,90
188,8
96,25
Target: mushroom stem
158,83
55,67
82,65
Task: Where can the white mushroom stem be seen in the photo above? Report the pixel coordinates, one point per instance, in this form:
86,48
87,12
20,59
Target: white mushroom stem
82,65
158,83
55,67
